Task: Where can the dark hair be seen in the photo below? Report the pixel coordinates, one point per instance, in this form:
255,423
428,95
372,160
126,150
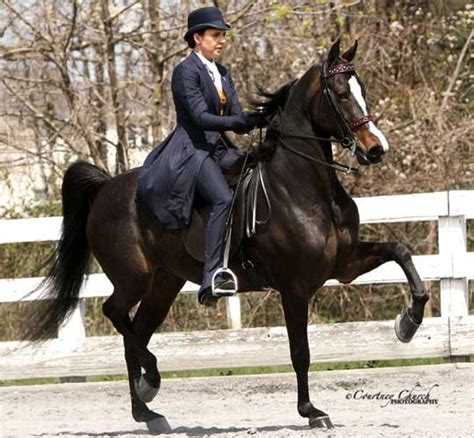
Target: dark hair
191,42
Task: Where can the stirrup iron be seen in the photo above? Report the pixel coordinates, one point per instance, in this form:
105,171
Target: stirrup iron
224,292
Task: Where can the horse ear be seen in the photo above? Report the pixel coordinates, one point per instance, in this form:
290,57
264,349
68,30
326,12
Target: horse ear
334,52
349,55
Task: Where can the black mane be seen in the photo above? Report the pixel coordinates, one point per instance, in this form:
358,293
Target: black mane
265,109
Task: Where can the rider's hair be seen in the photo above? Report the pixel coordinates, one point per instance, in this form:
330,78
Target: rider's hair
191,42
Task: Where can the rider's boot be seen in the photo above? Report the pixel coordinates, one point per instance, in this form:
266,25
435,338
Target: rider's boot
223,284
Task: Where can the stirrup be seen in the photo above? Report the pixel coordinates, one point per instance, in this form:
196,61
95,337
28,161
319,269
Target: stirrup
227,292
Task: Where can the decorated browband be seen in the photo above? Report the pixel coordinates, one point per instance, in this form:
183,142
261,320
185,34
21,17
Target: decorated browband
340,69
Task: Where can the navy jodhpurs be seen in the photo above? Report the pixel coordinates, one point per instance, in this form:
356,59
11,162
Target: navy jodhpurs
213,188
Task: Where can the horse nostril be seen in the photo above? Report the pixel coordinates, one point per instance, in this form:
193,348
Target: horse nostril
375,153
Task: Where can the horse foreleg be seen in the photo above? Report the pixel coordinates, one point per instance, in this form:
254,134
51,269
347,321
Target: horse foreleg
296,316
369,255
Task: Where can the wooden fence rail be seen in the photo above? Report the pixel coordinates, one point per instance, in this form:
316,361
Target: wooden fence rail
72,353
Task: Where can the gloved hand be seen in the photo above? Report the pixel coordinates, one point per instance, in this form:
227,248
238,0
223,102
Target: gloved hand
255,121
241,125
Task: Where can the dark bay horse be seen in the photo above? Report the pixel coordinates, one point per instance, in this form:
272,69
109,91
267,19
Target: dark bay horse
312,235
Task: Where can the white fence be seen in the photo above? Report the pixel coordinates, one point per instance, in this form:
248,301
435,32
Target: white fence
449,335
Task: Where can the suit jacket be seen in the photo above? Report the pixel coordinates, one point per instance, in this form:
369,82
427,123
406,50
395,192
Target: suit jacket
167,179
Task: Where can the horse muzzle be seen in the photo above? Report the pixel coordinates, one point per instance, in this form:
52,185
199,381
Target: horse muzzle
373,156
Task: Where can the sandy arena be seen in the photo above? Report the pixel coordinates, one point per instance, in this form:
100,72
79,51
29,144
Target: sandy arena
258,406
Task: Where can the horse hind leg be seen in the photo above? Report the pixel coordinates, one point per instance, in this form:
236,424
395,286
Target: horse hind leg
128,293
152,311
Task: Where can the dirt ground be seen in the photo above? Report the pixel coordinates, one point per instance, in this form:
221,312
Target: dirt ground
358,401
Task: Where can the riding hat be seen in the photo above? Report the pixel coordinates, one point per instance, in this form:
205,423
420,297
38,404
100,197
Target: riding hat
205,18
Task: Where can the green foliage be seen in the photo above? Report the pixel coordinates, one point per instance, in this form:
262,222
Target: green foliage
281,11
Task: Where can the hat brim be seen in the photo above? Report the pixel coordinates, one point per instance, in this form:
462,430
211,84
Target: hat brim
214,25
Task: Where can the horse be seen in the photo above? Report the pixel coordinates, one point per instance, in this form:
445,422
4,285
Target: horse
312,235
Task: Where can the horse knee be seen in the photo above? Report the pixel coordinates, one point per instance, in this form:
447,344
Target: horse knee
108,309
401,252
112,312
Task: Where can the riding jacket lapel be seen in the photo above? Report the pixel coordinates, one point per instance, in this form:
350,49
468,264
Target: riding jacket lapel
207,81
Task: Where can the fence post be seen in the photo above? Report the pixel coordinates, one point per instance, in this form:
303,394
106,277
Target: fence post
452,244
454,291
73,328
233,312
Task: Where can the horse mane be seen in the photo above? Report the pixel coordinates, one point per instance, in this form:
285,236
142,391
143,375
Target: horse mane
265,108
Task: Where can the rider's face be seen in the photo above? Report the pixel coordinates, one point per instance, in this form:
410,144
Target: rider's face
211,43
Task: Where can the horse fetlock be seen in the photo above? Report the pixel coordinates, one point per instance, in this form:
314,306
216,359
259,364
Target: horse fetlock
148,360
153,379
416,312
421,297
308,410
141,413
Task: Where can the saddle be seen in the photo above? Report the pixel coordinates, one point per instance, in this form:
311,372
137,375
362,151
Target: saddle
244,218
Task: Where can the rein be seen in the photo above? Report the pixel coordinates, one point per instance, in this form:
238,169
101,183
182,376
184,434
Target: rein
334,165
346,143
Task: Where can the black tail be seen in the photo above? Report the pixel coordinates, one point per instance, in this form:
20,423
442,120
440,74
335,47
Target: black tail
72,257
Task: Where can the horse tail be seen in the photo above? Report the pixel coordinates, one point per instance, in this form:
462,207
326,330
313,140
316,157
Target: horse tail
71,259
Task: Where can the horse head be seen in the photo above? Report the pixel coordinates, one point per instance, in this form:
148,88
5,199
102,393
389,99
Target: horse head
338,107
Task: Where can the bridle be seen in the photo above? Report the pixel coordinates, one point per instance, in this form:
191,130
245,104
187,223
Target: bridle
347,129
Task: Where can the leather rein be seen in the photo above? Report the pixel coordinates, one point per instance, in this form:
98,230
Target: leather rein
348,140
252,184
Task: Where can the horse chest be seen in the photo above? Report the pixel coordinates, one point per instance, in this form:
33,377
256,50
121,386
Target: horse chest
346,224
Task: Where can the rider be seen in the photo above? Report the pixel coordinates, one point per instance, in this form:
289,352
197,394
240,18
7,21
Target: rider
195,153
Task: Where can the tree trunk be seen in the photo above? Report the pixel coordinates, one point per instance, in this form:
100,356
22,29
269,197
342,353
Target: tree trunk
118,106
157,68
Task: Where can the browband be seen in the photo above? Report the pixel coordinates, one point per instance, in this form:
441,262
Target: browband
340,69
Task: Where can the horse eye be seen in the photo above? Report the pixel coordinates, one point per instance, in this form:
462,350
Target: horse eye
344,96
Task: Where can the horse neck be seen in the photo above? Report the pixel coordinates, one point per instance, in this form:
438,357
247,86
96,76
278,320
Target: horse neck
295,119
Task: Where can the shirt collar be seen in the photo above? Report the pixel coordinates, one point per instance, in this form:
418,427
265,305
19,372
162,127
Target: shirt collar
206,62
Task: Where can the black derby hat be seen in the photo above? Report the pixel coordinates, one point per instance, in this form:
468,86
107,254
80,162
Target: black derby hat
205,18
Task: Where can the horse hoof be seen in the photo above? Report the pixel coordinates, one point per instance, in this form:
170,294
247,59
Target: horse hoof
323,422
405,327
159,425
145,392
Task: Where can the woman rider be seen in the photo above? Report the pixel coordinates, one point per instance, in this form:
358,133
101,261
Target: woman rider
194,154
